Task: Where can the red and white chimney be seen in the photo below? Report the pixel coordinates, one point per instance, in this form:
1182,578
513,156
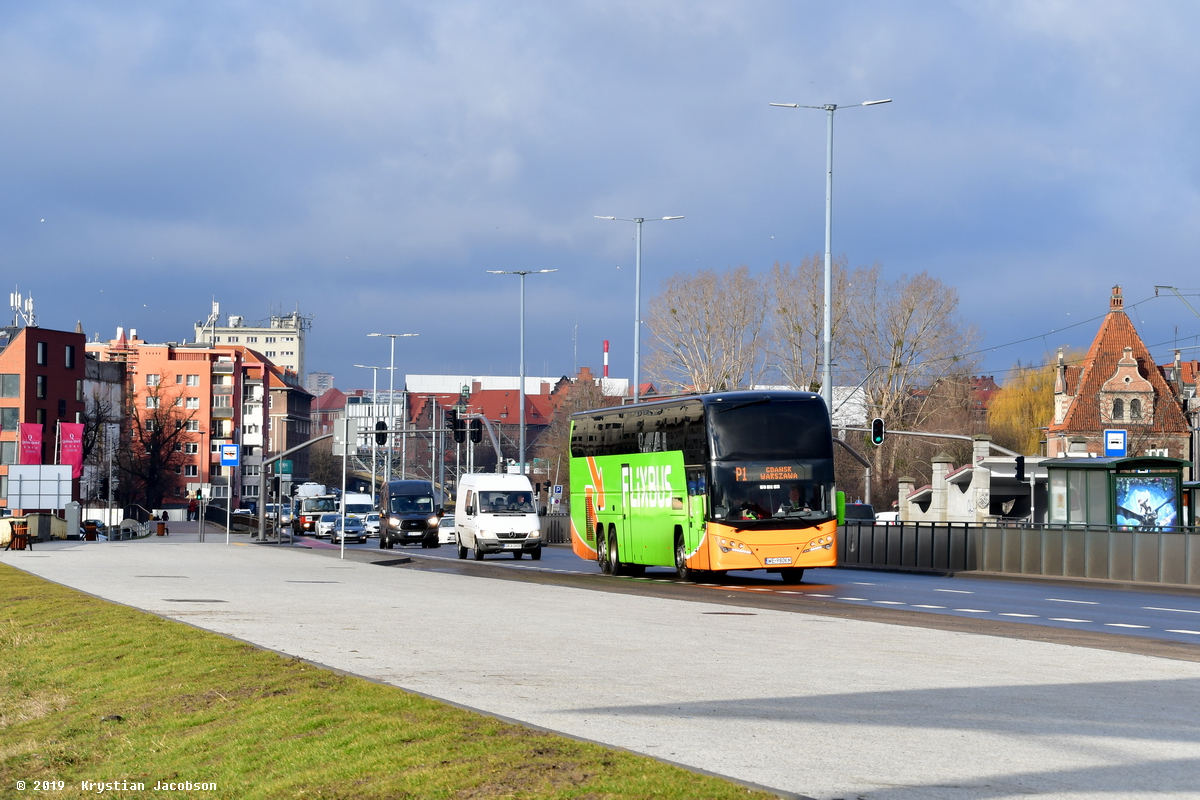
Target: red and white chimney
606,358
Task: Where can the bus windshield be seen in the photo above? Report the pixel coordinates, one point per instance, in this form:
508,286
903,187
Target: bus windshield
772,459
410,504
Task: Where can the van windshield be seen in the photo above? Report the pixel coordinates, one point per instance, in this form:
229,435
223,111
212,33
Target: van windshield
497,502
410,504
358,508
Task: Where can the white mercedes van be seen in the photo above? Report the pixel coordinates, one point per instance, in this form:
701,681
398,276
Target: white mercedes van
496,514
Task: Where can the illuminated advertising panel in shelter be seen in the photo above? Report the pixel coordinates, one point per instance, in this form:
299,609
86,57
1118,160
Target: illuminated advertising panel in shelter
1146,501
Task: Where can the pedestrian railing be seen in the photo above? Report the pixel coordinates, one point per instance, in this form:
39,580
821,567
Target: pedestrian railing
1141,555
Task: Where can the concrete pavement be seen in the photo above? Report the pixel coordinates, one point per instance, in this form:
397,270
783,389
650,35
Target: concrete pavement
824,707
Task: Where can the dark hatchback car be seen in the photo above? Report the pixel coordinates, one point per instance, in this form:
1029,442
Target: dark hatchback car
408,514
860,513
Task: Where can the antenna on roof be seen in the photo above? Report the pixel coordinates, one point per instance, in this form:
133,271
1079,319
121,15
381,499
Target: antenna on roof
22,308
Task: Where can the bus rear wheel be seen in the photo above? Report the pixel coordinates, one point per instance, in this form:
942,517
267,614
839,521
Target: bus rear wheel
602,551
792,575
614,555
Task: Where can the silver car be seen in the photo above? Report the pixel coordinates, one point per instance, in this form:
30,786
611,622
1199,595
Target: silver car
354,530
446,530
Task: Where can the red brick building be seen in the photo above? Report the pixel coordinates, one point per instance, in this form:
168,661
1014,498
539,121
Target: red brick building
41,381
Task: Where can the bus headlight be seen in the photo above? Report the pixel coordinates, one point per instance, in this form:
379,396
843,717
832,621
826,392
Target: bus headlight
820,543
729,545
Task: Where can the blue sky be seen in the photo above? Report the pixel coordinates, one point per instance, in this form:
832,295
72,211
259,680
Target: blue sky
369,161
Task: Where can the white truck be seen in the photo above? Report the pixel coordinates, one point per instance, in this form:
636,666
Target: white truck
312,500
496,514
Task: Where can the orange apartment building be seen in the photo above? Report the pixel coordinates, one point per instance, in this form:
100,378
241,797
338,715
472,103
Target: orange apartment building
225,395
41,381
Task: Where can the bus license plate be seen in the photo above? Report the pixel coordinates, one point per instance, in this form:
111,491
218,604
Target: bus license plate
784,560
512,545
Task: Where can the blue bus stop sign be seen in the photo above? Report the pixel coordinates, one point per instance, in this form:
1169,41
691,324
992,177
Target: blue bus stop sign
229,455
1114,444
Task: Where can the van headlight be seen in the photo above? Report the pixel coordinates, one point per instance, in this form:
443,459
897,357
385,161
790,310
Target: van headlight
534,535
394,522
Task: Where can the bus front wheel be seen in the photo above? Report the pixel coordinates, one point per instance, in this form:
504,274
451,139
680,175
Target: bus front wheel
684,572
792,575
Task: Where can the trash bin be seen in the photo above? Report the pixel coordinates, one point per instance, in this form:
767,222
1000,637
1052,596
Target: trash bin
162,529
89,531
20,536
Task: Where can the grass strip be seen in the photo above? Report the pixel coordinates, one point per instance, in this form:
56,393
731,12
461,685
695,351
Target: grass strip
93,691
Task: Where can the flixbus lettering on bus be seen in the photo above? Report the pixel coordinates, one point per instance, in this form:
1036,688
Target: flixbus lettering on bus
709,483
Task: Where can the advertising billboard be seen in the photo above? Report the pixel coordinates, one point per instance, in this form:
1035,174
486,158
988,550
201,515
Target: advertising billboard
1147,501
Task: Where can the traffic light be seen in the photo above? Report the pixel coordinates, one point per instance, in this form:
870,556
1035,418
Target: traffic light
476,431
877,431
380,436
456,426
1020,469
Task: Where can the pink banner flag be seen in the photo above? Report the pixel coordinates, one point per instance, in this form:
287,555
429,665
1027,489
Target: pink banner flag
70,450
31,443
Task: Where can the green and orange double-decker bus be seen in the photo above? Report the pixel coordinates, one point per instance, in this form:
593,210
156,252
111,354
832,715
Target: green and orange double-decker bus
706,484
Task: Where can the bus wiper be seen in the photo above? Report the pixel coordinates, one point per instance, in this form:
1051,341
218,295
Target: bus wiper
759,401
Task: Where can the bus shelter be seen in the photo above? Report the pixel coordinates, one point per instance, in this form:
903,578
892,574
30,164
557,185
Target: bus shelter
1127,492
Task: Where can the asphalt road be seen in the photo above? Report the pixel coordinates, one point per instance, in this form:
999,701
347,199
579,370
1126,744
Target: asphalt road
1094,608
821,697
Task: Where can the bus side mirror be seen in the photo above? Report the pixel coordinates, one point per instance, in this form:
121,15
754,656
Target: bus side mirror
841,508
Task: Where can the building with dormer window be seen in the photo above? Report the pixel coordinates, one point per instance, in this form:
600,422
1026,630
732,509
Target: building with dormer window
1117,386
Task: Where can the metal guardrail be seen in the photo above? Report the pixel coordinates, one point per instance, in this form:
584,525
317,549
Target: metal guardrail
556,528
1139,555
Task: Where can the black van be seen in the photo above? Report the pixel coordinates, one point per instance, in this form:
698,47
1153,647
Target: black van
408,514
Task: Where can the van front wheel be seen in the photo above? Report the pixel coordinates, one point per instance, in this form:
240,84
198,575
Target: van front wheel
478,552
462,551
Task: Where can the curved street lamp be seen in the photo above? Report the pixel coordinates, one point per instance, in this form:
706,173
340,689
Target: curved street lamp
391,415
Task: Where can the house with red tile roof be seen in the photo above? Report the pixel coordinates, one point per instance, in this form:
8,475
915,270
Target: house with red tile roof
1116,386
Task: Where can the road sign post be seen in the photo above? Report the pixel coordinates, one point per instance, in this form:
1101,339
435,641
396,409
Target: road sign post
1115,443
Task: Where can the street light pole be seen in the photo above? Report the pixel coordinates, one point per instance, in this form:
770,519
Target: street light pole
391,384
374,416
637,302
827,325
521,396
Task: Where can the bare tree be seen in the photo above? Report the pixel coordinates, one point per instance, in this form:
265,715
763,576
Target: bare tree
797,322
153,455
323,466
905,339
706,330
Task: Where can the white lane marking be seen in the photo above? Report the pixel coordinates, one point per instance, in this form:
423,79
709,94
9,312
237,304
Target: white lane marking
860,583
1124,625
1180,610
758,589
973,610
1003,614
706,584
1068,619
1080,602
890,602
789,591
820,595
852,598
953,591
1194,633
925,606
